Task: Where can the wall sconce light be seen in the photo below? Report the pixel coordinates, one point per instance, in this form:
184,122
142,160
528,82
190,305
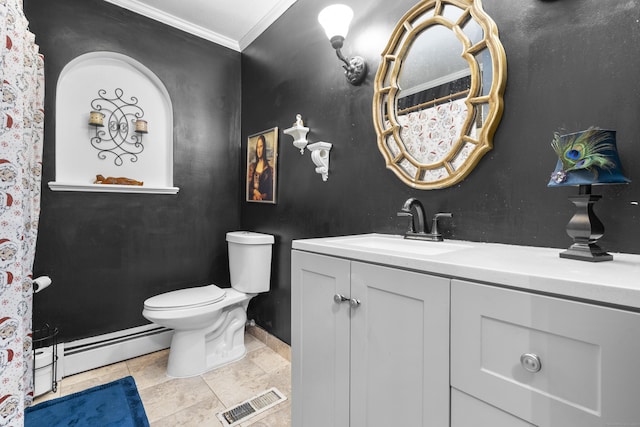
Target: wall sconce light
335,20
125,126
586,158
299,134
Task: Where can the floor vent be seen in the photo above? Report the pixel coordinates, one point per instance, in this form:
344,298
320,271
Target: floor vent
252,407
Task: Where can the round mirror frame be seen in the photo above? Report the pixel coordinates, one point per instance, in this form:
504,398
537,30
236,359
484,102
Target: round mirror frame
386,89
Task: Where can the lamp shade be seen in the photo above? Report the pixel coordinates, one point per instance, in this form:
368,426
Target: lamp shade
335,20
587,157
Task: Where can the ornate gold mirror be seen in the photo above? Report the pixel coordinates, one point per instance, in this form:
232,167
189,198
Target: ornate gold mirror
438,92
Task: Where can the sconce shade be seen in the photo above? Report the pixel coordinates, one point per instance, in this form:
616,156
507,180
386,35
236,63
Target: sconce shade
587,157
335,20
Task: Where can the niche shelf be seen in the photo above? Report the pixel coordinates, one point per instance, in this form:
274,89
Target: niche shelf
77,161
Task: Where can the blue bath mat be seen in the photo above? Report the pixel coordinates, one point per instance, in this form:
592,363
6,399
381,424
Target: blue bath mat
114,404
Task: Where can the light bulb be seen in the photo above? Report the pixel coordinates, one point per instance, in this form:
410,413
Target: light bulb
335,20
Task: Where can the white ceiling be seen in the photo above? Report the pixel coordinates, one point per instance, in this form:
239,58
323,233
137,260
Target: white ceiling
231,23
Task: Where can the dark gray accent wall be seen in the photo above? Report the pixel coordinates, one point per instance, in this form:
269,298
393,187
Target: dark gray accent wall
571,64
107,253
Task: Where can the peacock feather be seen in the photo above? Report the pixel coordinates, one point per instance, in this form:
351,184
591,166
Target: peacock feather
584,151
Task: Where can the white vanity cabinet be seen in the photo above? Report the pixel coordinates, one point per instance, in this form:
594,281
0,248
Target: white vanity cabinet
546,361
462,334
370,344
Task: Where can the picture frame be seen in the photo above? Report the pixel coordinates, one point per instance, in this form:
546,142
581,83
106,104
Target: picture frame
261,174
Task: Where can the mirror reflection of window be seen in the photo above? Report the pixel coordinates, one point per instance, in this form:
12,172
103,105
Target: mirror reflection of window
433,60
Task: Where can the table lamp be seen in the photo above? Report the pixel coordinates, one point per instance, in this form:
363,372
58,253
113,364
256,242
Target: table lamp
586,158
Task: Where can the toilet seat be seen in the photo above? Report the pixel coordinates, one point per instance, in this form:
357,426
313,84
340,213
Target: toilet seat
186,298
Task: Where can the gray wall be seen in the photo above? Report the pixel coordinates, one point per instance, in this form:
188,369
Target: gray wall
107,253
571,64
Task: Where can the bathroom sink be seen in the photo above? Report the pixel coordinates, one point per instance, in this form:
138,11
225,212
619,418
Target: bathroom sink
392,244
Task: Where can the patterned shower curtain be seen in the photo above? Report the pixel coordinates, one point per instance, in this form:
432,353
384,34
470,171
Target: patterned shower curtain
21,134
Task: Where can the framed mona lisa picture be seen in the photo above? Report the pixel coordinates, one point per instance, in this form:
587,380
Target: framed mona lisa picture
262,155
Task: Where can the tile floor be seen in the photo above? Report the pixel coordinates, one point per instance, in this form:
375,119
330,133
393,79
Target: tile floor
171,402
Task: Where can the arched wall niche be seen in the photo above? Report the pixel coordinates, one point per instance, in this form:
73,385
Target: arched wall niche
110,75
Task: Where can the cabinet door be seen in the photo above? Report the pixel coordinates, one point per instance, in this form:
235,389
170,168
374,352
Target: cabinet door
319,340
399,348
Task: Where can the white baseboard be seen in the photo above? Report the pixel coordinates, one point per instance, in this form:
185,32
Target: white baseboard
91,353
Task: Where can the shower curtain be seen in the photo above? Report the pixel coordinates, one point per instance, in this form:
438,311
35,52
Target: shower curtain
21,134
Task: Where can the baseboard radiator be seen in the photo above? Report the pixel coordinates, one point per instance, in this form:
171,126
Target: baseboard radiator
91,353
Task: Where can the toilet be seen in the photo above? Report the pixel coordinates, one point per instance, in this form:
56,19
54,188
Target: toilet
209,321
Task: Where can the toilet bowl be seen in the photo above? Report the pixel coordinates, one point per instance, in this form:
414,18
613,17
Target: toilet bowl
209,321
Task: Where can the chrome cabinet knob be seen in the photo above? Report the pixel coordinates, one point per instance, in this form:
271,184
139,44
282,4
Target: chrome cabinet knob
337,298
531,362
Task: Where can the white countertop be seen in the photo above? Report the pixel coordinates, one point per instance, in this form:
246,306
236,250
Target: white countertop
529,268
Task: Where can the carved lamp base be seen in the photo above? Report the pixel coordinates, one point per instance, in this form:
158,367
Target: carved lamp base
585,228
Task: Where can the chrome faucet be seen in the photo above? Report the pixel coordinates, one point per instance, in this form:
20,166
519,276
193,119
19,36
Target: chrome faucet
406,212
418,229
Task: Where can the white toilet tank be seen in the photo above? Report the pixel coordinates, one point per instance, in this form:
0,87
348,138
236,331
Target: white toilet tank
250,261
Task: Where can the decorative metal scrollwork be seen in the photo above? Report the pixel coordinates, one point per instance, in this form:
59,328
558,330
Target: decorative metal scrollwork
124,126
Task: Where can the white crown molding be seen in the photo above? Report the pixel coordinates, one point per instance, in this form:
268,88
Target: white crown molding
196,30
265,22
173,21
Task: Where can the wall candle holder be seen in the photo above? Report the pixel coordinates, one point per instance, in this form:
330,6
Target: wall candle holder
299,134
319,150
125,126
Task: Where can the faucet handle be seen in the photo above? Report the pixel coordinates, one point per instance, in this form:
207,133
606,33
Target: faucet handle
408,214
443,215
434,225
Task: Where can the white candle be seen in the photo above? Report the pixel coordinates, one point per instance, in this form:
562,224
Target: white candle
141,126
96,118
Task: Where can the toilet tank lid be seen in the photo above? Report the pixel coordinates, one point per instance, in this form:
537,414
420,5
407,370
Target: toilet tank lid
249,238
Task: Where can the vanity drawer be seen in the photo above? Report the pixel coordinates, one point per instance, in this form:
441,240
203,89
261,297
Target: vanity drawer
549,361
467,411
